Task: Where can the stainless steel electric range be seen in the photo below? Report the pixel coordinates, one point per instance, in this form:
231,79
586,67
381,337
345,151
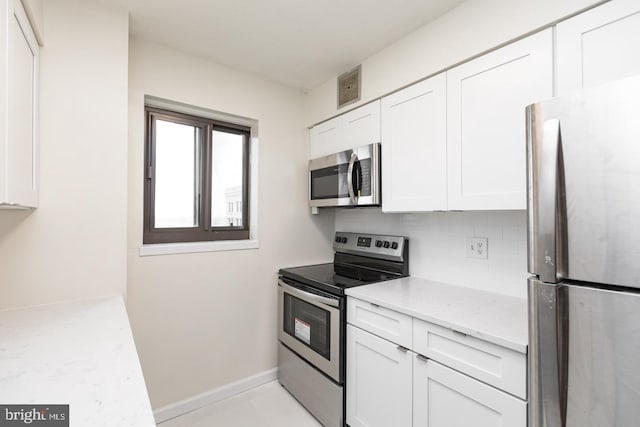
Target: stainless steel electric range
312,318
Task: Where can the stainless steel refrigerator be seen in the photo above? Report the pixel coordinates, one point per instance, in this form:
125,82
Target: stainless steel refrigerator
583,158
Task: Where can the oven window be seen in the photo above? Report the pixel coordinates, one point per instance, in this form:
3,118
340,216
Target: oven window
329,183
308,324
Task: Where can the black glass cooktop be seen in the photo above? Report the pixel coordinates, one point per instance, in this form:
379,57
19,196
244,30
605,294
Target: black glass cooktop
333,278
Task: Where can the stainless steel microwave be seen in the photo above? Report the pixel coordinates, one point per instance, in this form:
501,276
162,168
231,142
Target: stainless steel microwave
347,178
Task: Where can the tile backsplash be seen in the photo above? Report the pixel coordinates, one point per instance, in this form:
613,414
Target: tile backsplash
437,245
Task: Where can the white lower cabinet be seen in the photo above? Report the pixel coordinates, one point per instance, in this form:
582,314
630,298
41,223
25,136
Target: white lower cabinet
380,321
378,381
492,364
443,397
391,385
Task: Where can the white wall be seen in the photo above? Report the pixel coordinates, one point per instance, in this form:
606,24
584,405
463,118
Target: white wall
74,244
473,27
437,245
204,320
35,12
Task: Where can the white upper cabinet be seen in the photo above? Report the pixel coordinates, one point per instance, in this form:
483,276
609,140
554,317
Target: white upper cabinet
599,45
456,141
486,128
353,129
362,125
19,105
414,147
324,139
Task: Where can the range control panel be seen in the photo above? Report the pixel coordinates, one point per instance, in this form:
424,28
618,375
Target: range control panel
372,245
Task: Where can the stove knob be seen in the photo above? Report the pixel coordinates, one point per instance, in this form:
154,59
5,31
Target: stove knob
344,240
378,243
394,245
338,239
386,244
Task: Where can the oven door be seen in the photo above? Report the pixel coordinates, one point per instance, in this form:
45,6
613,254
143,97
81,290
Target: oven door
348,178
309,324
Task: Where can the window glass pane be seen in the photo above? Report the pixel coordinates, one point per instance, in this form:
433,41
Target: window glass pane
226,179
176,175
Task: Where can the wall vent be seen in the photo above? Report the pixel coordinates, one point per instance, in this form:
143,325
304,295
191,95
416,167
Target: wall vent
349,87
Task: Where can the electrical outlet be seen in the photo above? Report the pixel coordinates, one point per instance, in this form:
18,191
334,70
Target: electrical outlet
477,247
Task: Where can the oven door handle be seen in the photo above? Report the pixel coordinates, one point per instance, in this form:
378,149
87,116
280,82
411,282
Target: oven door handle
309,296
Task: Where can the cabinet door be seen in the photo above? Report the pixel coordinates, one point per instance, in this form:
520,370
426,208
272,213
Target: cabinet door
361,126
324,139
492,364
22,108
414,147
486,100
599,45
379,375
443,397
350,130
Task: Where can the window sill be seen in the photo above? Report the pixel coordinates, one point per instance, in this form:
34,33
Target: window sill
196,247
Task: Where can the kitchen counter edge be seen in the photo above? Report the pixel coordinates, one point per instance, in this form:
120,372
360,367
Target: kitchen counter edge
495,318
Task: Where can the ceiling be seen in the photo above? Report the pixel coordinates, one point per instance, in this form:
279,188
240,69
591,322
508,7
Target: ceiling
299,43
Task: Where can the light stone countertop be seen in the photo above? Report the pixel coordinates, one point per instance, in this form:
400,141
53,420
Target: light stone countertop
79,353
495,318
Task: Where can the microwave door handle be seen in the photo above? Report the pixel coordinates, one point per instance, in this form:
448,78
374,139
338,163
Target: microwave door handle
357,186
352,162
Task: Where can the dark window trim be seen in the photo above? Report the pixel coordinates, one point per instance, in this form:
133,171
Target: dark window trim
204,232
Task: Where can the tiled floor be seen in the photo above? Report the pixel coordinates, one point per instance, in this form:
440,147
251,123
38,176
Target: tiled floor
269,405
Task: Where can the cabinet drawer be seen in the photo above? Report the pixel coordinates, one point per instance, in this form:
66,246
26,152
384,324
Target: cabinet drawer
498,366
391,325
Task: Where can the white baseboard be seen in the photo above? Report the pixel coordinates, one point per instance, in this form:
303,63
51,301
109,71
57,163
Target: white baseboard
208,397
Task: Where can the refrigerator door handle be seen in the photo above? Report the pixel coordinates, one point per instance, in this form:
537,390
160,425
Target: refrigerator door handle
531,200
547,210
549,354
562,325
